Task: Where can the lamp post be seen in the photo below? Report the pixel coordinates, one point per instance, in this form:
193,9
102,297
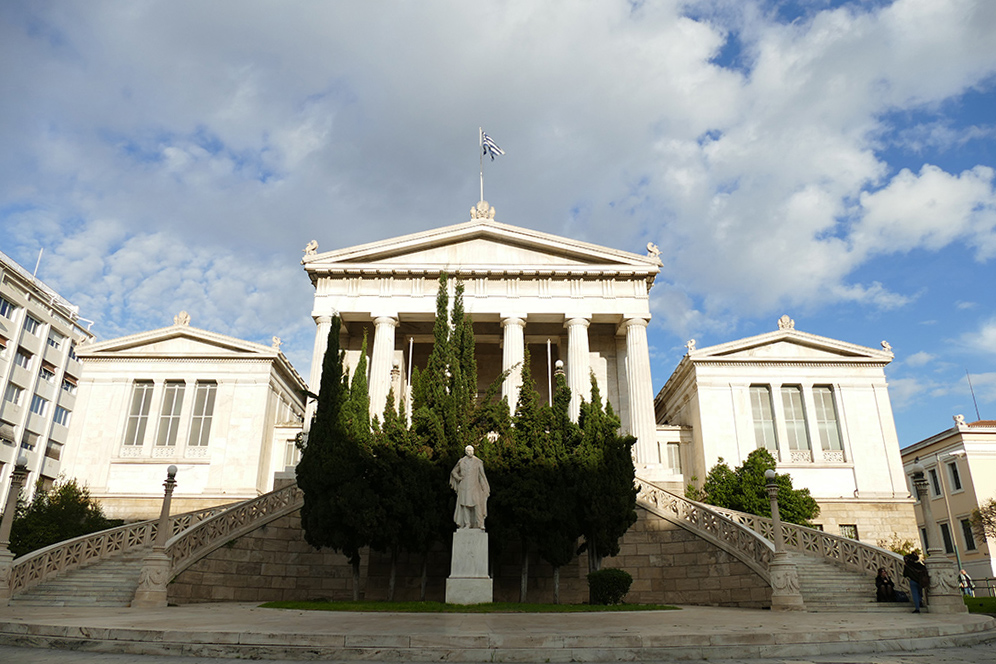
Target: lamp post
17,477
151,592
785,595
943,592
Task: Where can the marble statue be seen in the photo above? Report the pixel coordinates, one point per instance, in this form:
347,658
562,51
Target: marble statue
311,248
471,485
182,318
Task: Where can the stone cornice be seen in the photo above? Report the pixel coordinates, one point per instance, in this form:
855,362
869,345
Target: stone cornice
589,272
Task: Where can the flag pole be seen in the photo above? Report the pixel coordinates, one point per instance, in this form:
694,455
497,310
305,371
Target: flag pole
480,151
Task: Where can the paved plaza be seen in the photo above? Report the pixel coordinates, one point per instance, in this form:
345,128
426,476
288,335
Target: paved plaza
201,632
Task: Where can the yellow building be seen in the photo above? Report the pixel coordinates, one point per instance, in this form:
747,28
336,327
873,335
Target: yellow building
960,466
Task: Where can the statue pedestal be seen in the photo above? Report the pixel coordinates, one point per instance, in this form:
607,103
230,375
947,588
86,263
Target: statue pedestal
469,582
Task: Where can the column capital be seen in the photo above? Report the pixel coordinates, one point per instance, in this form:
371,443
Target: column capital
578,321
636,320
323,320
387,320
516,320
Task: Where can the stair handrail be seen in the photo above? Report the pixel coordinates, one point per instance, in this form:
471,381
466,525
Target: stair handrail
38,566
192,544
749,546
842,551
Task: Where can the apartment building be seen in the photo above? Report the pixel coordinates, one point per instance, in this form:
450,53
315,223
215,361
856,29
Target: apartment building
39,374
960,465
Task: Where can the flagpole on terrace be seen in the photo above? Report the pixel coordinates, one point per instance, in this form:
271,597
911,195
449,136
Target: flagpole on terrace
480,151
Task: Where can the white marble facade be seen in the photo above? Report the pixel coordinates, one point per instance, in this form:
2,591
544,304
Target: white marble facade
223,410
561,299
820,405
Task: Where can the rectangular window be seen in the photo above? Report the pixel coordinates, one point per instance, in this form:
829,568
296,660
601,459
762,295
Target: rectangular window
291,453
795,418
13,394
200,421
69,386
28,441
826,418
46,375
955,477
674,456
55,340
968,534
764,421
53,450
61,416
39,405
32,324
7,308
169,416
138,416
849,530
72,350
935,482
946,536
22,359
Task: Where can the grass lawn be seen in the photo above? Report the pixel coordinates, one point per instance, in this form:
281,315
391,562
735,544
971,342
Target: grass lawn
440,607
981,604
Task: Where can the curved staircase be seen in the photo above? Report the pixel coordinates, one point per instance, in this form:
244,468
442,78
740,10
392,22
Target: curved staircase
110,582
103,569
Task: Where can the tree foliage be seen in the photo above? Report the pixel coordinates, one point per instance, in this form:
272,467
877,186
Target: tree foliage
744,489
63,512
340,508
984,520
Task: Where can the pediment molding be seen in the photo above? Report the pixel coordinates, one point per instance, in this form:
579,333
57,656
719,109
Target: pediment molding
513,250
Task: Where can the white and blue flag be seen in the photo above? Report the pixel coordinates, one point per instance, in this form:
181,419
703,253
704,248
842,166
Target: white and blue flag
489,146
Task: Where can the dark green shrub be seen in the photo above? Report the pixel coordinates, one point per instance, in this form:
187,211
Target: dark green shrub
608,586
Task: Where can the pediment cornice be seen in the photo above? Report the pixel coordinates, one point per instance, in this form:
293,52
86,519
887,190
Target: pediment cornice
569,258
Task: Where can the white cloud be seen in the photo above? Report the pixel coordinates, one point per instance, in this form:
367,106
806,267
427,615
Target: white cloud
983,339
161,150
919,359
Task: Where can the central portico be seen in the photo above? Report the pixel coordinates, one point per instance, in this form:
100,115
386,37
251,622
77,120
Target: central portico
561,299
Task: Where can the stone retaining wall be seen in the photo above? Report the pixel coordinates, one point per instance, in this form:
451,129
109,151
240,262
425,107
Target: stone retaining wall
669,564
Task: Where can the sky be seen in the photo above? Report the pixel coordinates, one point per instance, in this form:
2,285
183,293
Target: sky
829,160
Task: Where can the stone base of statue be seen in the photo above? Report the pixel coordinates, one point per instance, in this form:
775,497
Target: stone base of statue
785,595
6,564
469,582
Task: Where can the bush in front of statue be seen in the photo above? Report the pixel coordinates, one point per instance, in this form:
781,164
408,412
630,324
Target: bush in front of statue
608,586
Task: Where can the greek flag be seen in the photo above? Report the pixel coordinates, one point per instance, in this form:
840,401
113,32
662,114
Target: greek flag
490,147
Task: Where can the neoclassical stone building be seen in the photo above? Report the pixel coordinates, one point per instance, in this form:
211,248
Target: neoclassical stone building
223,410
820,406
561,299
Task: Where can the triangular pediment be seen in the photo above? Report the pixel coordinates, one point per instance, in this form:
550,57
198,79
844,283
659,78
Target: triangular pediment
177,341
790,346
480,243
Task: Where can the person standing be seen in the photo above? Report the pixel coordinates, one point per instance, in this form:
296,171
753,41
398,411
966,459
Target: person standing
916,572
966,584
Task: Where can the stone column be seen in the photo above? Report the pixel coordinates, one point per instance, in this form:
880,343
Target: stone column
381,362
943,594
578,364
317,360
17,477
513,353
642,423
785,594
151,591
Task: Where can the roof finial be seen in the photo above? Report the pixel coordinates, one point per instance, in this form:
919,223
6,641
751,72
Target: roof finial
182,318
482,211
786,323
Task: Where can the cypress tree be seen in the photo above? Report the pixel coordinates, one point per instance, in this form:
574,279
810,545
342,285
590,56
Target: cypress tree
606,489
339,510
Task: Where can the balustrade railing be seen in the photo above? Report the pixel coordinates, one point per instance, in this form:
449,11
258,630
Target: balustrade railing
195,542
845,552
41,565
748,545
